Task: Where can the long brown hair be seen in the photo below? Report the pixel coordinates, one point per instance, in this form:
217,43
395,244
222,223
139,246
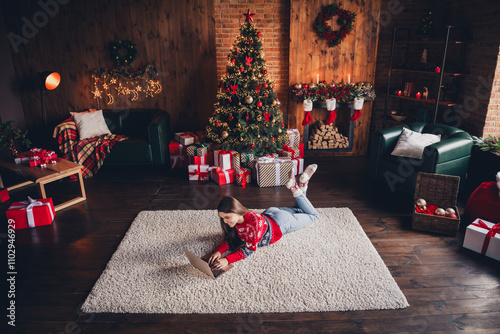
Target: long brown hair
230,204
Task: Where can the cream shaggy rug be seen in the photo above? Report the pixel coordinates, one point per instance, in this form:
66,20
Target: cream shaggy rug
330,265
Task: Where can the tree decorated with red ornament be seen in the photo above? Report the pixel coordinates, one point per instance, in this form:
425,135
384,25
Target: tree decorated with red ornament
247,115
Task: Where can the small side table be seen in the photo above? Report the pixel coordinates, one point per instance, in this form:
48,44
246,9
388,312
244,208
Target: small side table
53,172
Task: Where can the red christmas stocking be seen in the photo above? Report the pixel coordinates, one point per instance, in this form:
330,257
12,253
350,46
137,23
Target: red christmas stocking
357,114
308,106
307,118
330,106
331,117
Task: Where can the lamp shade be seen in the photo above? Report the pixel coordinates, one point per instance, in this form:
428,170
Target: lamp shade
50,80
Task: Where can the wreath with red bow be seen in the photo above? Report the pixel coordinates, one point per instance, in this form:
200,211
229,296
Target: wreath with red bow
345,20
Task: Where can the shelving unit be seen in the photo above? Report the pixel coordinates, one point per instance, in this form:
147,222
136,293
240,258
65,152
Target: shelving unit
431,78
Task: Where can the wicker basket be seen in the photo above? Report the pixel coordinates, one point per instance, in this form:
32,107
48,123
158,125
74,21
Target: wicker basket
440,190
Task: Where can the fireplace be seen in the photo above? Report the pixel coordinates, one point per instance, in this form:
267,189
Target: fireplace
336,137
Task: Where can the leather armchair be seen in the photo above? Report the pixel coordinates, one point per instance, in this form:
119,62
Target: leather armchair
450,156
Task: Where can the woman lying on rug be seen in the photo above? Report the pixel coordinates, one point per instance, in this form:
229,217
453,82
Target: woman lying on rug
245,230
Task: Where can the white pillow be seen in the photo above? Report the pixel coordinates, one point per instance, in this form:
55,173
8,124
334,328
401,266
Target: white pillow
90,124
411,144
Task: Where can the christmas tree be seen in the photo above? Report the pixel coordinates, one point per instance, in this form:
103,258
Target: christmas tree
247,116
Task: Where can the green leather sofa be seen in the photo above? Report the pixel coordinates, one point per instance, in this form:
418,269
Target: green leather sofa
149,133
450,156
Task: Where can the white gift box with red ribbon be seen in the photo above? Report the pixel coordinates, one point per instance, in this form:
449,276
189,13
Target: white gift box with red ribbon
224,159
31,213
483,237
198,172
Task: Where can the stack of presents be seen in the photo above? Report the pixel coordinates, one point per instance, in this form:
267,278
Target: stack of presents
36,157
224,167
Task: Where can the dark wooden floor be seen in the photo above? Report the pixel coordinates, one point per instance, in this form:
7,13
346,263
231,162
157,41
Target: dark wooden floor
450,289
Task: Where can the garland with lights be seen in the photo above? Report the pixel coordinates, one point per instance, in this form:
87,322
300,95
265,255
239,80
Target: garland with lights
121,59
133,82
345,20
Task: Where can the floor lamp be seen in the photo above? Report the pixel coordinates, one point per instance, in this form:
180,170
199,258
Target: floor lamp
49,81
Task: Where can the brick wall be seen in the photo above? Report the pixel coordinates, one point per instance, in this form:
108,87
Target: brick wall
273,20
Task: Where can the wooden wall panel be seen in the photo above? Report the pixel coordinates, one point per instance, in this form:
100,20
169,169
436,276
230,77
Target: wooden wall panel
356,56
176,36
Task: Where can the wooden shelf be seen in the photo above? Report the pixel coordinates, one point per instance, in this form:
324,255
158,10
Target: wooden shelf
455,74
442,103
430,42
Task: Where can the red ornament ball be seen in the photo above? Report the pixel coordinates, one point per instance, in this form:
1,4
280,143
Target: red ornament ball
251,146
257,91
233,60
217,123
272,138
265,84
242,69
451,215
259,34
230,117
259,104
264,72
283,125
265,95
230,100
237,51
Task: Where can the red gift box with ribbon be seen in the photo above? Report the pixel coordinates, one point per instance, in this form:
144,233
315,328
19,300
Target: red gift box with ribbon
207,159
198,172
483,237
31,213
4,195
222,176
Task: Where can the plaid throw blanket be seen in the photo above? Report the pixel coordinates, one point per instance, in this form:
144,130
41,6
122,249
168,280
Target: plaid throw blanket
89,153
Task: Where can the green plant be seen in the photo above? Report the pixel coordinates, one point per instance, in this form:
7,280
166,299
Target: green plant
490,143
10,136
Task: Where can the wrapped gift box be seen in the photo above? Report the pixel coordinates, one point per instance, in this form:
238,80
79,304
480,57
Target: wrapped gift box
248,160
273,171
197,150
224,159
483,237
301,150
207,159
293,137
178,154
31,213
243,176
298,165
36,152
222,176
291,152
4,195
185,138
198,172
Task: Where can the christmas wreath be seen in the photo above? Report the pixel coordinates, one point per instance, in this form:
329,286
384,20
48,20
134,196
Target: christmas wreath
121,59
345,20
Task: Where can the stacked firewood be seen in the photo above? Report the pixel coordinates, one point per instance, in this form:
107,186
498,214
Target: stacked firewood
325,137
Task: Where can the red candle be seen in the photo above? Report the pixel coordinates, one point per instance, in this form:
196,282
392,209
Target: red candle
437,69
399,93
418,95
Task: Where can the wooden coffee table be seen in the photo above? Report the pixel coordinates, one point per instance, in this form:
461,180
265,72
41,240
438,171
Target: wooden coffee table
53,172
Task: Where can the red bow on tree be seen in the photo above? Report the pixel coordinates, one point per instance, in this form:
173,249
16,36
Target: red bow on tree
266,116
248,60
233,87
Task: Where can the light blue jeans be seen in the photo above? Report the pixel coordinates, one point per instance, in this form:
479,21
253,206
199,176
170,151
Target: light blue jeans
293,219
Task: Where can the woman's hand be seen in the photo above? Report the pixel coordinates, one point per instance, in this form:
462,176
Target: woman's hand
213,259
220,263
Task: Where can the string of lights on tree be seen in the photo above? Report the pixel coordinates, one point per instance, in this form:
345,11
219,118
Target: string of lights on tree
247,115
